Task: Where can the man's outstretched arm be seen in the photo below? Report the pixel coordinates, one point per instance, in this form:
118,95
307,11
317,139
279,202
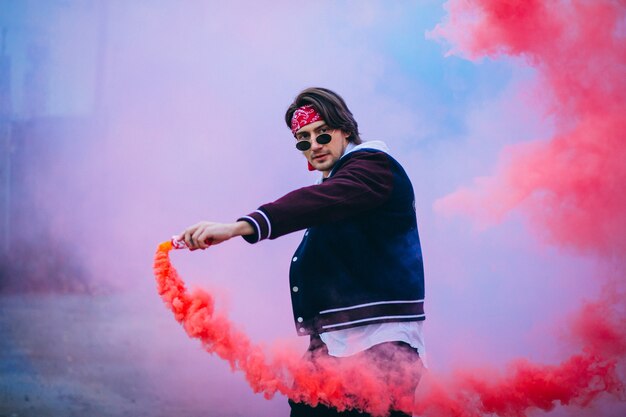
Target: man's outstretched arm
365,181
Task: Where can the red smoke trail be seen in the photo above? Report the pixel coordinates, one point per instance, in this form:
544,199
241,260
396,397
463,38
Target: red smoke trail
354,383
577,381
357,382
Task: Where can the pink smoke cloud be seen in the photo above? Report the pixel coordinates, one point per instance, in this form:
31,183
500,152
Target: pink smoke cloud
569,184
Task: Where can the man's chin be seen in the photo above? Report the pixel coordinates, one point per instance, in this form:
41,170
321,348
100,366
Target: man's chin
323,167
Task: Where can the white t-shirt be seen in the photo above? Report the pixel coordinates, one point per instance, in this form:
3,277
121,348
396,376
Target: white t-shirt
342,343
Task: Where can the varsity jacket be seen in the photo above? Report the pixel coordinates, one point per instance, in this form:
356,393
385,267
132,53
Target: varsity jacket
360,260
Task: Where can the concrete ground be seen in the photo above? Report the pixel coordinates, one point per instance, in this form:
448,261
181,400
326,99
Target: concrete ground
82,355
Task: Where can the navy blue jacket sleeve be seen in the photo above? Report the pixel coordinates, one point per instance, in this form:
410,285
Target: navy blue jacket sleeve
361,182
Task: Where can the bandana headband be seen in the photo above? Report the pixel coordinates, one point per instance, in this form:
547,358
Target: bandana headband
303,116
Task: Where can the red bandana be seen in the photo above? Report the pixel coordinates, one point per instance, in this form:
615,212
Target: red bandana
303,116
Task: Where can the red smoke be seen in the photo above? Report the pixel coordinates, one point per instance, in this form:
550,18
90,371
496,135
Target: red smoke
578,380
357,382
571,185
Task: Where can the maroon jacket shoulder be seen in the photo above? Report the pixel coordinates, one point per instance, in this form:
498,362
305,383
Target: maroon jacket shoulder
360,181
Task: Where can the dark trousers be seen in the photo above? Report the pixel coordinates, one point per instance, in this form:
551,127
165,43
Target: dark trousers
382,351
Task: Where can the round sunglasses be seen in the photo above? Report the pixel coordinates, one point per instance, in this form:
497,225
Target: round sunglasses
305,144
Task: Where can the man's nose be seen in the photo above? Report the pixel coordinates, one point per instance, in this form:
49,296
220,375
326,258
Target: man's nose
315,145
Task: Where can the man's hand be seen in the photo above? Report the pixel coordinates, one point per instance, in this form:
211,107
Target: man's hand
204,234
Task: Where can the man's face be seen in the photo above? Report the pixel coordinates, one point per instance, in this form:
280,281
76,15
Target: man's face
323,157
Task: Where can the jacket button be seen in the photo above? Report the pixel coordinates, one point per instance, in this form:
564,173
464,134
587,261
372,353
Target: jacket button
295,289
301,329
300,319
295,258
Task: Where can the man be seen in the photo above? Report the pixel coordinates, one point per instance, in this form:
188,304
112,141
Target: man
357,278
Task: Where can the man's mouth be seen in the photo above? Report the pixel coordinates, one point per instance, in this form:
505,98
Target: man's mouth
319,156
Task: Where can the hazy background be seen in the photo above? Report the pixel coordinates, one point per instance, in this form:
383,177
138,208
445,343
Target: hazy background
124,122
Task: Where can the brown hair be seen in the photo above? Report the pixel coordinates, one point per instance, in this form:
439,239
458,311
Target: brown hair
330,106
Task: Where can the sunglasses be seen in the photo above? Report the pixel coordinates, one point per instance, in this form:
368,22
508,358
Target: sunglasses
305,145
